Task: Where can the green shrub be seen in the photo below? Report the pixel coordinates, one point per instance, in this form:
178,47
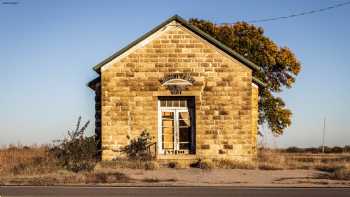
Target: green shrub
76,152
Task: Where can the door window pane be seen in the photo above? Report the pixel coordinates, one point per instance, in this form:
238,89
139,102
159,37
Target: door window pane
168,130
183,103
168,138
184,119
176,103
184,137
162,103
184,130
168,115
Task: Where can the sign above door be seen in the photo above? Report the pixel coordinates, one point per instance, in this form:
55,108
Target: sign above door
176,82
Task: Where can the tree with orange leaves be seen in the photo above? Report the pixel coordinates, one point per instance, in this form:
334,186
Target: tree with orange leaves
279,66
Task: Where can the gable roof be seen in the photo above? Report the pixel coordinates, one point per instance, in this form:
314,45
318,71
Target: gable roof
197,31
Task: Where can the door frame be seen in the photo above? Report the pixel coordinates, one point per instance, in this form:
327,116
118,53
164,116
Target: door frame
176,111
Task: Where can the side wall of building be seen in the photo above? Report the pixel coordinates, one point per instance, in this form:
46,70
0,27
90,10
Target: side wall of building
255,116
98,116
222,91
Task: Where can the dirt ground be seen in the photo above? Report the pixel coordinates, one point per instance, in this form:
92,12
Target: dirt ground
190,177
32,166
195,177
237,177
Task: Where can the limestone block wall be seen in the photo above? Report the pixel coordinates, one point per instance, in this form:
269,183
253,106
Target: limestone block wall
222,89
255,116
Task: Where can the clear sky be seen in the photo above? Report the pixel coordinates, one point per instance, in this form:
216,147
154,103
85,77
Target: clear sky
48,49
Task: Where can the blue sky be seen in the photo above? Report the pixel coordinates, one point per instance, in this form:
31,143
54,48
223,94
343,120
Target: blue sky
48,49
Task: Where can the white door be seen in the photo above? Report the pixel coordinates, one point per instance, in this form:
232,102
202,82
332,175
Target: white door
176,131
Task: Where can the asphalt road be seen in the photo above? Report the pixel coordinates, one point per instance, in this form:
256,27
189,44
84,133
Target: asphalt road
171,191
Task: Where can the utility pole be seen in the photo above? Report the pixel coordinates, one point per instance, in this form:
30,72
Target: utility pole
324,133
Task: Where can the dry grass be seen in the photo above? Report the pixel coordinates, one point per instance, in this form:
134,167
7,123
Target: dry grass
336,165
157,180
66,178
178,164
36,166
130,164
204,164
342,173
26,160
233,164
271,160
151,180
106,177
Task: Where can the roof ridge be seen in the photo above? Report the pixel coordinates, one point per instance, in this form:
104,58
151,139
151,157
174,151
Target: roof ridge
194,29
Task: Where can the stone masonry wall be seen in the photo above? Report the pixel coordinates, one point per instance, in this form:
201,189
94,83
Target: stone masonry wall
255,116
222,91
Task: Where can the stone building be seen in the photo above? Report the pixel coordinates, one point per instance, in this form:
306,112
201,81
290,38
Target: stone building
195,96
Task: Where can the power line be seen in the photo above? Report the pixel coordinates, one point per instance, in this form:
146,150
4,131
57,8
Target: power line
298,14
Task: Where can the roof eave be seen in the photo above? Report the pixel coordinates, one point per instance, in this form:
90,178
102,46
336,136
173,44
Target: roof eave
110,58
92,84
204,35
259,83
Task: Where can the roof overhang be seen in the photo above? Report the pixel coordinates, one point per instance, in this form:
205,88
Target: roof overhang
197,31
93,83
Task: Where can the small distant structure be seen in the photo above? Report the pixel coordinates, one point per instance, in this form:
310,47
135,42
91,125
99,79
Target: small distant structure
323,134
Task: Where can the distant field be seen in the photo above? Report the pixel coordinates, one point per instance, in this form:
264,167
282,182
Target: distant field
36,166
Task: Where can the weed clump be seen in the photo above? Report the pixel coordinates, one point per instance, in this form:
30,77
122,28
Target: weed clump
204,164
76,152
138,148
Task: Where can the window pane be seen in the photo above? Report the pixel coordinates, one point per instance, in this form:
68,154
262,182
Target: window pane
162,103
167,115
184,137
176,103
168,138
183,103
184,119
168,130
184,115
168,123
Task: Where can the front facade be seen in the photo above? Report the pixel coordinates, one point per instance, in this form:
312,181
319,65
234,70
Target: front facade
196,97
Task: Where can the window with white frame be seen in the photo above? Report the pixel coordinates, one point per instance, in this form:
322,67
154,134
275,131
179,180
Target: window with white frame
176,129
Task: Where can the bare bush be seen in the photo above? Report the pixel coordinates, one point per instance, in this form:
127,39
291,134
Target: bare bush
77,152
204,164
138,147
